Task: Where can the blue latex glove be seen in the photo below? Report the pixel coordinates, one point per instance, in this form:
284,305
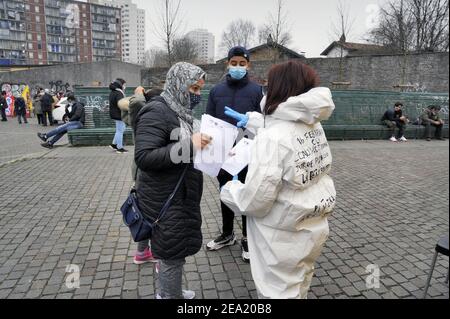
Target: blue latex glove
235,178
241,118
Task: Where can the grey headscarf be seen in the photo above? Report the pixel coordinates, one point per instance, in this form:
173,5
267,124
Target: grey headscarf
179,79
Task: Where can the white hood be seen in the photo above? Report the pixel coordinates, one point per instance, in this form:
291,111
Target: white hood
312,107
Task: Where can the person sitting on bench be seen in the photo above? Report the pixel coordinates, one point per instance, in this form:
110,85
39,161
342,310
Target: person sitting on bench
393,118
76,121
430,117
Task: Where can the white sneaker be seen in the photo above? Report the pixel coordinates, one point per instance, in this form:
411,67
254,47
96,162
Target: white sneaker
221,241
187,294
403,139
393,139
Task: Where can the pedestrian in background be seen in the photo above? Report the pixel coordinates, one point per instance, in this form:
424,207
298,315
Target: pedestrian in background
20,108
46,106
117,93
3,106
37,108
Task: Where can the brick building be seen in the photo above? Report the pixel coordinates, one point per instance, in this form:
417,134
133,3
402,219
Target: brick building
58,31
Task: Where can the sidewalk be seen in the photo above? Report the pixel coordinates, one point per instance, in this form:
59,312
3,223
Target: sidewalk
62,209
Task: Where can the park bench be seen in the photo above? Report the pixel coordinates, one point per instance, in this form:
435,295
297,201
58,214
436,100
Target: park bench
357,115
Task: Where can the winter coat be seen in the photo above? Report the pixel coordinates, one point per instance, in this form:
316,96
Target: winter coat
392,115
20,106
428,116
3,103
77,113
114,97
178,234
46,102
37,105
287,194
241,95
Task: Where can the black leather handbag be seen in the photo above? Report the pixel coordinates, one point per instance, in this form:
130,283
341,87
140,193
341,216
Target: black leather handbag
141,228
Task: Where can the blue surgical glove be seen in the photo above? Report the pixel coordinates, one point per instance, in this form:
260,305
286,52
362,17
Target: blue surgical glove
241,118
235,178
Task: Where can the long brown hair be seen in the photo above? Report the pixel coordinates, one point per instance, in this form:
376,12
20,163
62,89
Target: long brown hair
288,79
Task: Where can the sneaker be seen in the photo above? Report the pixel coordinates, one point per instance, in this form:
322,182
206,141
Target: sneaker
113,146
403,139
393,139
245,253
121,151
43,137
221,241
187,294
47,145
145,257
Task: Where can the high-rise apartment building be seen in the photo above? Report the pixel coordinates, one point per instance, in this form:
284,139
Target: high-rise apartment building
205,45
58,31
133,30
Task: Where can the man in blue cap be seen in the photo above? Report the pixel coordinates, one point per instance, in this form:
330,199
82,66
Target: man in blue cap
242,95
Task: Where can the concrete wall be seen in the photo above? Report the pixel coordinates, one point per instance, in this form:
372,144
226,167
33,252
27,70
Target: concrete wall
63,76
427,72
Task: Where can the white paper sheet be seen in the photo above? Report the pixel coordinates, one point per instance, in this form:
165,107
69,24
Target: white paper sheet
210,160
239,157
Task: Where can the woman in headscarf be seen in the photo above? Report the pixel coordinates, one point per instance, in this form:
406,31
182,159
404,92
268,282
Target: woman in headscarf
165,144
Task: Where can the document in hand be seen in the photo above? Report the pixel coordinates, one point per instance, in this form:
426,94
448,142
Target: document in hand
210,160
239,157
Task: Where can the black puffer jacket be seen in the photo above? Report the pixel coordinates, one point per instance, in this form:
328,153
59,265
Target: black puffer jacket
179,232
114,97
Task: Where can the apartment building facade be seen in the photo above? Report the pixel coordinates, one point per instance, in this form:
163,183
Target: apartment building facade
58,31
205,45
133,30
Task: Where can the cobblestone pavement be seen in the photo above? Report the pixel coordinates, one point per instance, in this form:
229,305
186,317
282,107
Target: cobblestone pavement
62,208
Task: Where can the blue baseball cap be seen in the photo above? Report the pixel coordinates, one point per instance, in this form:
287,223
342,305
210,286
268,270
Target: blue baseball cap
239,51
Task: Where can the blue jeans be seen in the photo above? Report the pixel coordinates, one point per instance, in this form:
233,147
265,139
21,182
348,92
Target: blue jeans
59,132
118,137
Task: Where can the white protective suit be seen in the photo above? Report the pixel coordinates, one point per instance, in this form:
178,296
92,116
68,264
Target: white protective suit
287,195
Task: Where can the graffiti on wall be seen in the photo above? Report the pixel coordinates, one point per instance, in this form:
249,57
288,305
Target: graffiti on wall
13,90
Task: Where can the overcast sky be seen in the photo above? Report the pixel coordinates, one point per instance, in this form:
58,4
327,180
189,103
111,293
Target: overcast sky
311,21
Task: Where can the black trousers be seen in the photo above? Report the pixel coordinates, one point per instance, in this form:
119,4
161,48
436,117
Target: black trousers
3,112
50,118
227,213
21,116
40,118
429,128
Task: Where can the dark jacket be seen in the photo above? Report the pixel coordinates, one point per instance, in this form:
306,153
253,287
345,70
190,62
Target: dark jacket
243,96
392,115
178,234
114,97
46,102
3,103
20,106
428,116
77,113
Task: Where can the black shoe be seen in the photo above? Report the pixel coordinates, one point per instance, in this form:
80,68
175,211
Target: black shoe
221,241
428,139
121,151
245,254
113,146
47,145
43,137
4,120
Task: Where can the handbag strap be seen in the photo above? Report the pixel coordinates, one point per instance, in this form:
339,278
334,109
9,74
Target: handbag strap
169,200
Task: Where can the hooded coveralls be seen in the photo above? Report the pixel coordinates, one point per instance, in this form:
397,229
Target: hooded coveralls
287,195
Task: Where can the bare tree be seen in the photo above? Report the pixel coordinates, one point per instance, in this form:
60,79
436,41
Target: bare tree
168,24
185,49
342,29
278,26
414,25
238,33
156,58
277,30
